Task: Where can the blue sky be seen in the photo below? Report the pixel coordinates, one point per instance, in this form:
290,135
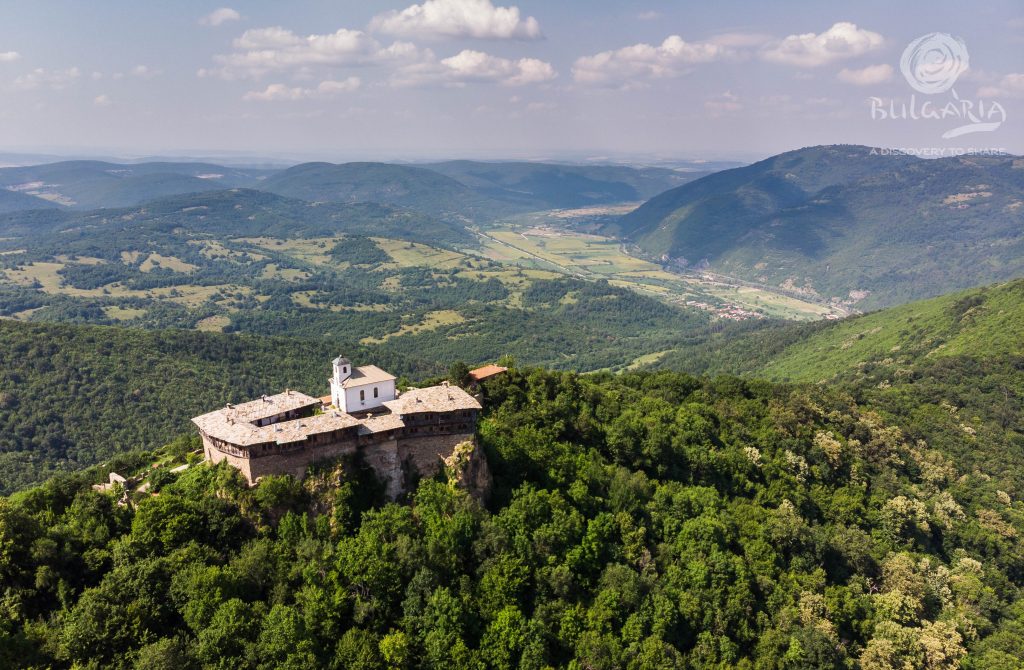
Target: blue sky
471,78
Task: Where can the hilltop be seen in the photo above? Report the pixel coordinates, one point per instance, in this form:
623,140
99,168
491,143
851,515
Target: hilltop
981,323
636,521
845,223
947,369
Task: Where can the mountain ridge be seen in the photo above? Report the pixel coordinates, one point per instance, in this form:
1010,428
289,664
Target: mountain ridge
845,223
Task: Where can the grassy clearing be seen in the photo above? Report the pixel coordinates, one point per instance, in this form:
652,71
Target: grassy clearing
315,250
214,324
305,299
215,250
272,271
413,254
431,321
124,313
44,275
155,260
647,359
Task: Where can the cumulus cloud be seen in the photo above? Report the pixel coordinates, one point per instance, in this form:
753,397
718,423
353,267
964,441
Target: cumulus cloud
282,92
9,56
458,18
842,40
55,79
628,65
475,66
1009,86
219,17
264,50
866,76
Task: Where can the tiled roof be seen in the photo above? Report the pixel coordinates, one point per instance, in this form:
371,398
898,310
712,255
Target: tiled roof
238,427
237,424
270,405
432,399
366,374
381,423
486,372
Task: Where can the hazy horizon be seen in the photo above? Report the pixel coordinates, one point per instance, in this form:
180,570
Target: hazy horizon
442,79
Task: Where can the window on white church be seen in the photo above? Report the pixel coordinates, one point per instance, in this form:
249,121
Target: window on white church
375,394
362,395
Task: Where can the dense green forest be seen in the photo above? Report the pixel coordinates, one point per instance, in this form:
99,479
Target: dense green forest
950,370
73,395
650,520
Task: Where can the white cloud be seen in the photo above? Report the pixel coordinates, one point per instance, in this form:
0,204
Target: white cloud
842,40
723,104
143,72
1009,86
866,76
55,79
649,15
625,66
330,86
102,100
282,92
264,50
475,66
9,56
458,18
219,16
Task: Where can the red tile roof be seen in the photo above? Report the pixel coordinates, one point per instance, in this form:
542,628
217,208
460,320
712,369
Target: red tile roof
486,372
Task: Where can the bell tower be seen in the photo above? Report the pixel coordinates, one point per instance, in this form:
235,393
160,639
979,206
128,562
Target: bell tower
342,371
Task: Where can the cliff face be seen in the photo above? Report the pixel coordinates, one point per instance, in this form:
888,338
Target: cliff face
467,468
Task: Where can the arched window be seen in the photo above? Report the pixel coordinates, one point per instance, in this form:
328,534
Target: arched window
362,395
375,394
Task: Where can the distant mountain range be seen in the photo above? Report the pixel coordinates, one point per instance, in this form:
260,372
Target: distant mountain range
841,224
556,186
98,184
846,223
239,213
457,190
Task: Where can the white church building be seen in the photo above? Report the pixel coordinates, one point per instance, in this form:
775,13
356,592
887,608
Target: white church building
359,389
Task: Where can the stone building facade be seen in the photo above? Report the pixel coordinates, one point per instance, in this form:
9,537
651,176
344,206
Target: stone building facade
403,438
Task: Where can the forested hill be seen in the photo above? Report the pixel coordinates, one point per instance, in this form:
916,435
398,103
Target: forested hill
950,370
640,521
847,223
73,395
